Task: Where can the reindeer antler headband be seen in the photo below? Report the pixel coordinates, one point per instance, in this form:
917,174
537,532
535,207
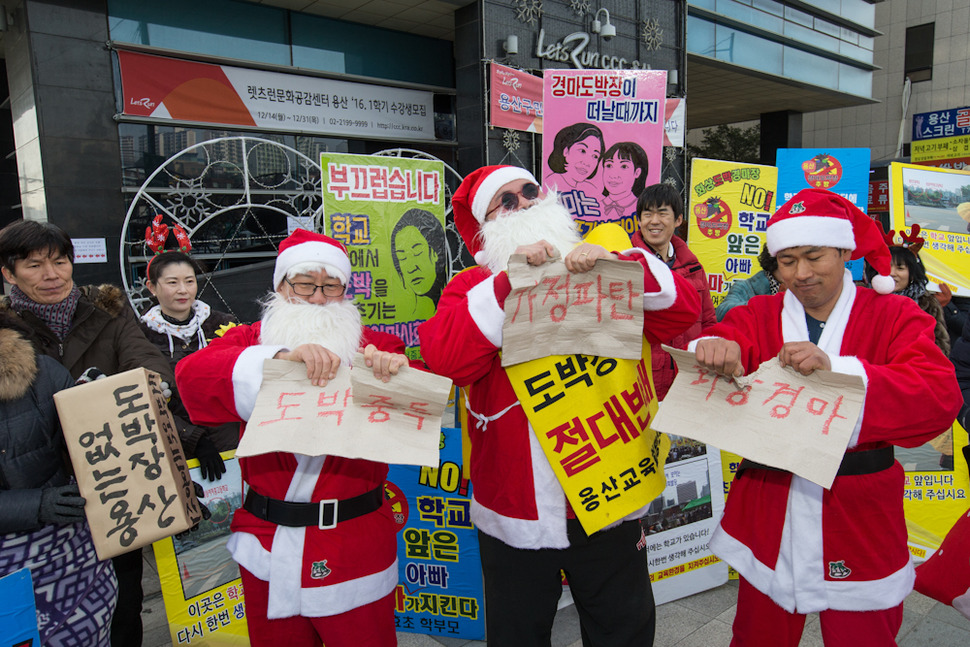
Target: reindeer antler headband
911,241
157,234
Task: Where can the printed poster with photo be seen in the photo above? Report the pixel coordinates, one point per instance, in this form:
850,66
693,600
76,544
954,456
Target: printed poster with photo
603,135
390,213
679,523
200,581
936,480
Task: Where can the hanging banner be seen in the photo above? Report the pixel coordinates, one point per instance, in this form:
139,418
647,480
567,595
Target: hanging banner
938,200
200,581
604,135
440,589
841,170
515,98
178,90
727,218
592,417
390,213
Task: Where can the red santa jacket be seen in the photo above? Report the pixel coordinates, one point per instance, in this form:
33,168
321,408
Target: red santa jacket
311,572
842,548
516,495
685,264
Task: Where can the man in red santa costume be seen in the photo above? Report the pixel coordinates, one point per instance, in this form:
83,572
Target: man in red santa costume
527,530
315,539
801,548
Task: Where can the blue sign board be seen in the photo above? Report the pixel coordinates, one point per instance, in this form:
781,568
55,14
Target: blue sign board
841,170
941,123
439,589
18,615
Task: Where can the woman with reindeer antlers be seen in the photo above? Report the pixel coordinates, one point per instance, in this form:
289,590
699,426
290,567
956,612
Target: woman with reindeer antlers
178,325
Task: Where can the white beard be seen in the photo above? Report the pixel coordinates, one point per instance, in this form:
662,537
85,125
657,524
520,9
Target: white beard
547,220
335,326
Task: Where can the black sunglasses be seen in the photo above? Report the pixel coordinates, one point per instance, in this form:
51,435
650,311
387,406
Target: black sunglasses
510,199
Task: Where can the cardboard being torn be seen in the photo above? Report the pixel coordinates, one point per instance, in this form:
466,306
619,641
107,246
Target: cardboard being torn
775,416
355,415
128,460
552,311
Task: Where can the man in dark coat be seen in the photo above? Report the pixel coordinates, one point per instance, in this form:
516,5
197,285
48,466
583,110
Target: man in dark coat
81,327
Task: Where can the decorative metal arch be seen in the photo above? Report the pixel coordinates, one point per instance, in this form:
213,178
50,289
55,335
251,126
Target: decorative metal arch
237,197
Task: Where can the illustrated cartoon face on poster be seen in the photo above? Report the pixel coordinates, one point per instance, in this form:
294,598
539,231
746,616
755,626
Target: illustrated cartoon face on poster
604,132
390,213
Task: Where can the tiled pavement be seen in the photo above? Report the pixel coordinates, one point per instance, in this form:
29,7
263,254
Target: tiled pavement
702,620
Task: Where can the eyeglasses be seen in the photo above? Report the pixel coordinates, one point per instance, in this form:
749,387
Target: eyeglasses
510,199
309,289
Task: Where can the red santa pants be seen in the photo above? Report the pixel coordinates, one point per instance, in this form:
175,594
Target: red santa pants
759,621
371,625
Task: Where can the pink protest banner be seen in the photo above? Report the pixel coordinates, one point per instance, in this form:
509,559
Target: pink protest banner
515,99
604,135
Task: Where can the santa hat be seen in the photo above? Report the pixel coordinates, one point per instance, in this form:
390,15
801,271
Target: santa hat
824,219
304,246
473,195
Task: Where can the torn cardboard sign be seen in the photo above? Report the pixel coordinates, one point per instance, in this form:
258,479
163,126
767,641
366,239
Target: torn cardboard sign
775,416
355,415
552,311
128,460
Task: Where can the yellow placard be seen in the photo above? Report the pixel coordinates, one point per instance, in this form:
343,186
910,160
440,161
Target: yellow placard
592,417
727,216
940,148
938,200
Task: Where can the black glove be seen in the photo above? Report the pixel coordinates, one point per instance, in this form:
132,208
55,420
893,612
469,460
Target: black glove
89,375
199,493
61,505
210,462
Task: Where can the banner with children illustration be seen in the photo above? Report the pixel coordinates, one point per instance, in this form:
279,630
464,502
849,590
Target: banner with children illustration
390,213
440,590
603,140
727,219
591,415
200,581
938,200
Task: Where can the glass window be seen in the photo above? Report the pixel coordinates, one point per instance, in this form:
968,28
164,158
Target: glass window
810,68
216,27
918,59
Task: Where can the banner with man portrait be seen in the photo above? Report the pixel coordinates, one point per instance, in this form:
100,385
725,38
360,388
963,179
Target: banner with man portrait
603,135
390,213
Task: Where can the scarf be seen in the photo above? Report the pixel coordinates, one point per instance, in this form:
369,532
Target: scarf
58,316
157,321
914,291
773,283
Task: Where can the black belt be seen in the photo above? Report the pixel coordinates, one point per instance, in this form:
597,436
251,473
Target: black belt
323,514
868,461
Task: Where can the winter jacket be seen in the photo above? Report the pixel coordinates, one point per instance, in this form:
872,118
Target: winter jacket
686,265
960,356
104,334
931,306
225,437
742,291
32,452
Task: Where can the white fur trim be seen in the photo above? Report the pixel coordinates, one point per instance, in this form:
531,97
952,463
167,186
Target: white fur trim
491,184
692,345
818,231
486,312
312,251
801,546
884,593
883,284
654,301
549,530
247,377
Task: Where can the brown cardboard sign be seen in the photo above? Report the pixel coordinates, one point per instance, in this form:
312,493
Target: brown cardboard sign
128,460
552,311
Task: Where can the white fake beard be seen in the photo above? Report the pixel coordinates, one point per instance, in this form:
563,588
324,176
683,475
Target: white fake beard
547,220
335,326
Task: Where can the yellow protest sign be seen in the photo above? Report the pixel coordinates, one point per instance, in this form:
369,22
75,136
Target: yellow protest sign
937,200
592,417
